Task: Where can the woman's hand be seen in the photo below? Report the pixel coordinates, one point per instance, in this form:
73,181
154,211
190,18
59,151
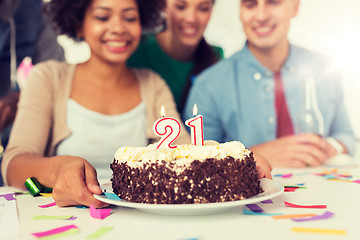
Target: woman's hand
263,166
75,182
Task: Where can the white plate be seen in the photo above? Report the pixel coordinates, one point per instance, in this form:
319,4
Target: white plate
271,190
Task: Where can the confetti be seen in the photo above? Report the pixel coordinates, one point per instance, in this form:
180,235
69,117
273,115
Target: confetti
8,197
100,232
54,231
326,215
254,208
303,206
319,231
248,212
47,217
287,216
48,205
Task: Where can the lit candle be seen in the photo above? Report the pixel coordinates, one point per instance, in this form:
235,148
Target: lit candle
168,129
196,128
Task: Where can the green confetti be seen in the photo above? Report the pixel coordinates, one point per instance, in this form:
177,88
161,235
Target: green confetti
46,217
100,232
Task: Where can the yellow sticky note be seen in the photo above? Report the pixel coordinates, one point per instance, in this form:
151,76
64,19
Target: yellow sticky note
46,194
319,231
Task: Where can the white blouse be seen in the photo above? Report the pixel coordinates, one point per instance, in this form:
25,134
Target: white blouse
96,136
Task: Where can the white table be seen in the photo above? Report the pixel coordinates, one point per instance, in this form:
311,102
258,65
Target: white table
341,198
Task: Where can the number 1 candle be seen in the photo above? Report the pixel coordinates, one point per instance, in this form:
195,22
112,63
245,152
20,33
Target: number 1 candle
196,128
168,129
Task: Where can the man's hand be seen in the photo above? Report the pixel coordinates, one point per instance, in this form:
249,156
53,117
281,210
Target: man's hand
8,107
296,151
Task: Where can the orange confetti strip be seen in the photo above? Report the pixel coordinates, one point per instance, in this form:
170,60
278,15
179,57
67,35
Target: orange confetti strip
319,231
287,216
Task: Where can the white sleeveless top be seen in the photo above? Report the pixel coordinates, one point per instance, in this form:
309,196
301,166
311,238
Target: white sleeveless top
96,136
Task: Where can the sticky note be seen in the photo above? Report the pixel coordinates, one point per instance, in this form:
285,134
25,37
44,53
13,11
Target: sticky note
100,213
46,194
112,196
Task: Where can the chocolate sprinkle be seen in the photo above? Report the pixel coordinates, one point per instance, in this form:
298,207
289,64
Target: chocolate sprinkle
209,181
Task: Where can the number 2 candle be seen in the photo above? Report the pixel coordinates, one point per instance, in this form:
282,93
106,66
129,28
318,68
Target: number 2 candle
168,129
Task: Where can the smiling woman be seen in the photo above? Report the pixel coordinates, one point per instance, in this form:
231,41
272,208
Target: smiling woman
72,117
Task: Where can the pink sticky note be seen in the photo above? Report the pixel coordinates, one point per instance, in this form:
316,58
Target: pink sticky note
303,206
99,213
54,231
326,215
48,205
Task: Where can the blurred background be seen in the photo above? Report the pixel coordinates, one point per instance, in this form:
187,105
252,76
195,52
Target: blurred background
328,27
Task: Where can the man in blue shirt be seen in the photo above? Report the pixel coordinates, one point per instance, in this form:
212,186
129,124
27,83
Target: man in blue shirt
23,33
238,100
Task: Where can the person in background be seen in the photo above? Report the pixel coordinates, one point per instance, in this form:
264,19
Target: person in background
23,33
72,118
180,51
255,95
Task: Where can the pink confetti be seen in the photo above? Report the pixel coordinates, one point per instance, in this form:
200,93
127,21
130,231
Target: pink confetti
290,189
48,205
99,213
357,181
54,231
303,206
326,215
287,175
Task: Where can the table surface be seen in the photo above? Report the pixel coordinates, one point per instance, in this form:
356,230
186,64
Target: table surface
341,198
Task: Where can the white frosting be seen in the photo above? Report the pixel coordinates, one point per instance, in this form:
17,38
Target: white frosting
182,154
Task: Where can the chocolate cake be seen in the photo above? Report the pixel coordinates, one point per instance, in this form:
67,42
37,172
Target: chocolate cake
185,175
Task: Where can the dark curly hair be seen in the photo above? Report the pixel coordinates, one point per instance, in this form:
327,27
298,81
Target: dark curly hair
67,16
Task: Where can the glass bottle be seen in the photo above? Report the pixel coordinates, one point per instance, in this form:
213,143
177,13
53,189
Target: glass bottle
310,119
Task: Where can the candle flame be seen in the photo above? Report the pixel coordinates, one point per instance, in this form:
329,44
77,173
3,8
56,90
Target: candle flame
195,110
162,111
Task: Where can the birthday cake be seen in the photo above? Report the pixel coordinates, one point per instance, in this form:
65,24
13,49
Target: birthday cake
186,174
